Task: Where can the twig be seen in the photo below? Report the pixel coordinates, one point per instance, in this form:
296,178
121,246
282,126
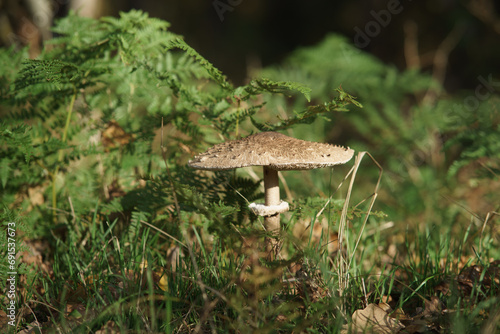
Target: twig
440,60
486,220
443,52
37,323
364,291
485,11
411,44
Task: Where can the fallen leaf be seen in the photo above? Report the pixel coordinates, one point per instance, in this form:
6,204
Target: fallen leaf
163,283
385,307
386,299
114,136
35,195
374,319
479,277
31,328
400,315
432,306
174,256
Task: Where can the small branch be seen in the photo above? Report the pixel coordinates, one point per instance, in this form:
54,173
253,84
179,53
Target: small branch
484,10
443,52
411,44
440,60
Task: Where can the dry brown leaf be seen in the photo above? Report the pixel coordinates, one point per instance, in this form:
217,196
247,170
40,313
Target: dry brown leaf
31,328
3,319
281,318
374,319
386,299
475,277
432,306
174,256
114,136
35,195
400,315
444,288
385,307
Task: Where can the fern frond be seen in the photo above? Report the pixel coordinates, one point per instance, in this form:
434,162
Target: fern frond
264,85
16,137
50,73
215,73
308,115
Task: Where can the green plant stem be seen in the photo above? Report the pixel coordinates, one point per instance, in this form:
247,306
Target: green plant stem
61,153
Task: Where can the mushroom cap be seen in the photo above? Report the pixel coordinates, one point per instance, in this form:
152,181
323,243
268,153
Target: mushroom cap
274,150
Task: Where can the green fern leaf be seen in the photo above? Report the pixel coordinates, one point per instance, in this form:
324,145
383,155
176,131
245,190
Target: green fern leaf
217,75
258,86
54,72
308,115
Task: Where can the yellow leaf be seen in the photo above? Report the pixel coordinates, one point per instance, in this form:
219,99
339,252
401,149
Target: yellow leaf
163,283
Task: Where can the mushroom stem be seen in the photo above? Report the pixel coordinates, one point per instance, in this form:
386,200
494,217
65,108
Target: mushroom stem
271,186
272,197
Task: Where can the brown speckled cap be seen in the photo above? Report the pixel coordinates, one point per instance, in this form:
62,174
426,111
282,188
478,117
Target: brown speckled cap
274,150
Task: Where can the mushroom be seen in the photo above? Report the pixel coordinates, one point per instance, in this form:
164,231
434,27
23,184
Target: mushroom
275,152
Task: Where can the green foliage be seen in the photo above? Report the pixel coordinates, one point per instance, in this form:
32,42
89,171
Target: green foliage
418,133
434,148
82,158
309,114
258,86
16,137
57,76
476,134
218,77
13,228
80,155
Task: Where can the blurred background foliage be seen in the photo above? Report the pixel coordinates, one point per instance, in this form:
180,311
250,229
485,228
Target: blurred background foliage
259,33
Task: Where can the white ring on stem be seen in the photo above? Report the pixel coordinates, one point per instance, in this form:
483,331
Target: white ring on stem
268,210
